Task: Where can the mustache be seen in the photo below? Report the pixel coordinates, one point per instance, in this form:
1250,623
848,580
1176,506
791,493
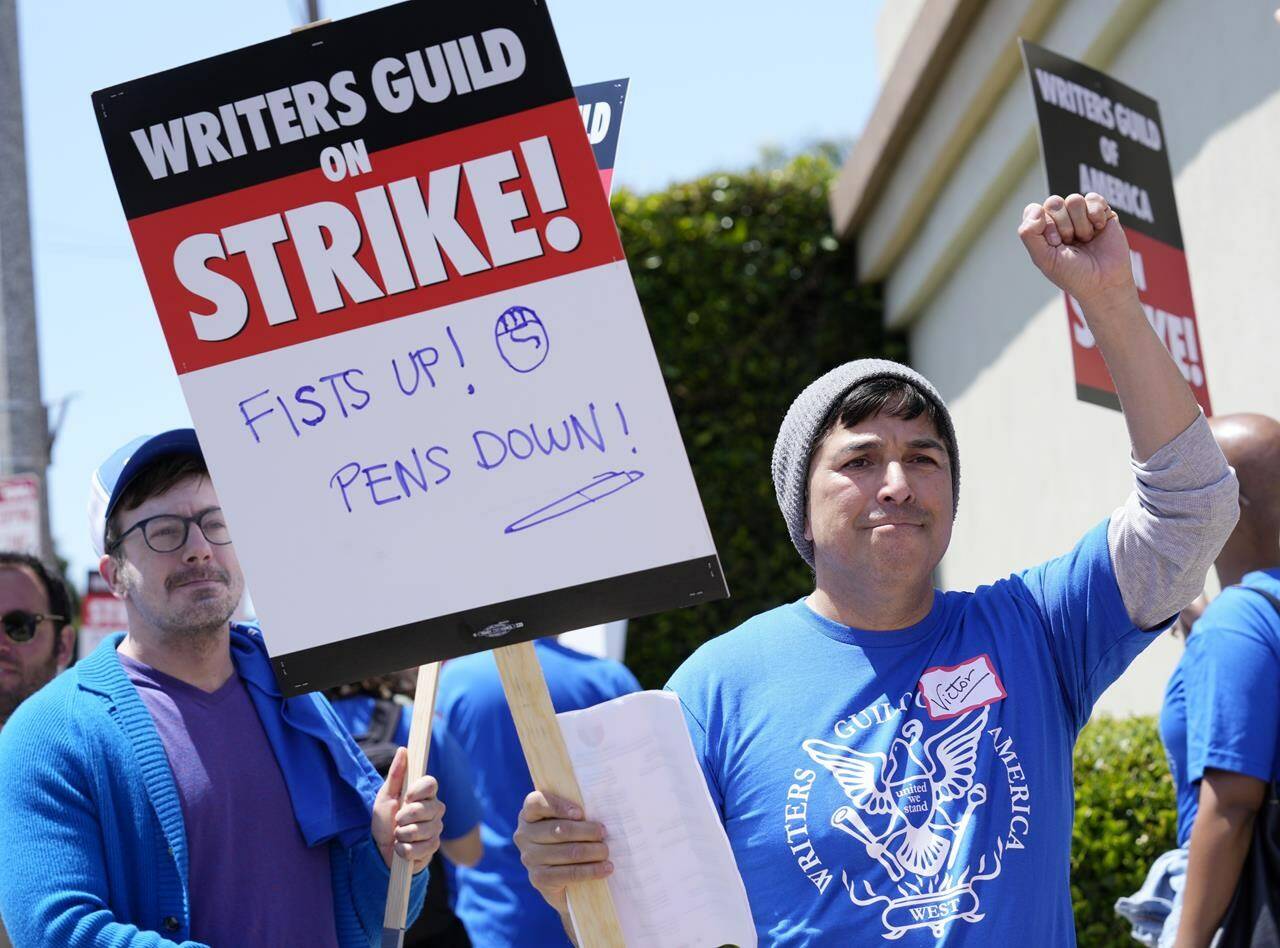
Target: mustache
906,513
196,574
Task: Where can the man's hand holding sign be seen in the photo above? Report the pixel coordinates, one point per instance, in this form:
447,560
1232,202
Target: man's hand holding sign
407,820
560,848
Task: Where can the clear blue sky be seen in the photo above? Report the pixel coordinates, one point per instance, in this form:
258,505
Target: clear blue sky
711,83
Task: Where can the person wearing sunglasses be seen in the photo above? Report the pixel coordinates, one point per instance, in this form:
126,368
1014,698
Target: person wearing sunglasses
163,792
36,637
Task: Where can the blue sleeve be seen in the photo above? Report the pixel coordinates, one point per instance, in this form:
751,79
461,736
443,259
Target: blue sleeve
1091,638
698,734
448,764
368,880
54,887
1233,693
348,710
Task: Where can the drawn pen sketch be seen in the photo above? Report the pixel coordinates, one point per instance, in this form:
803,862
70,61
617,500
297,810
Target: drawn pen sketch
600,487
521,338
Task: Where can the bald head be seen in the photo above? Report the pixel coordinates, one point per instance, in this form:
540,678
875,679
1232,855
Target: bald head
1251,443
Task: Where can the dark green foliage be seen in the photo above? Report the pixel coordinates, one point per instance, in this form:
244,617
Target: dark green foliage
748,297
1125,817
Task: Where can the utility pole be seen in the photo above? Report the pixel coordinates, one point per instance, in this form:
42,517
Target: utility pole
24,429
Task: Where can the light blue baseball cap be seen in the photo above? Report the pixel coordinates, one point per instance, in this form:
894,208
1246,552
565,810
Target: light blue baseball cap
118,471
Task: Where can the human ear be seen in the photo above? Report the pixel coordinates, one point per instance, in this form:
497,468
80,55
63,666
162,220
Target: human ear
109,569
65,645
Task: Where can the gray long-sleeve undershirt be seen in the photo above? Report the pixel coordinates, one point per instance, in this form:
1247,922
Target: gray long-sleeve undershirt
1166,536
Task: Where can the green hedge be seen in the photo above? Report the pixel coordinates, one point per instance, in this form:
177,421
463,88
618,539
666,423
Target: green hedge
748,297
1125,817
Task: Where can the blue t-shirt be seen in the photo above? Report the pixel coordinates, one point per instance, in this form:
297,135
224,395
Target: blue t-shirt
1222,706
1173,735
494,898
912,785
446,761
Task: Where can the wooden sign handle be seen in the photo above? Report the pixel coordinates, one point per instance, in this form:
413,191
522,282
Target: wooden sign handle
424,704
549,765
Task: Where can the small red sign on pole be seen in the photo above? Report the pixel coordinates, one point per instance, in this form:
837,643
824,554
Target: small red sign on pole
20,513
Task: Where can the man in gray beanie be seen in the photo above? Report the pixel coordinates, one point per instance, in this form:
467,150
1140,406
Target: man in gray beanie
893,761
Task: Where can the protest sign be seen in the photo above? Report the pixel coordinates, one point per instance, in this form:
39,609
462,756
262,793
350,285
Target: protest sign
20,513
1097,134
393,291
601,106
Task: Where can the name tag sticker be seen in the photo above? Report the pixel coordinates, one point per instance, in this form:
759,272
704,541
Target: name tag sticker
951,690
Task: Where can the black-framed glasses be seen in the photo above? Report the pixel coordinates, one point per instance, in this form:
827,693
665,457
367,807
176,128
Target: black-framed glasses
166,533
20,625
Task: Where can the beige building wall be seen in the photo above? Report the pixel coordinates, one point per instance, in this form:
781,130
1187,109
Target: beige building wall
1039,467
892,27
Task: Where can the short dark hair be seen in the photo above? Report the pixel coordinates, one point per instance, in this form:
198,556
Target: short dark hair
152,480
55,587
884,395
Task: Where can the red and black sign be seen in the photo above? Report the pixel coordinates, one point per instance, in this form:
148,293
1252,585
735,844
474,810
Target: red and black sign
601,104
1097,134
216,164
355,192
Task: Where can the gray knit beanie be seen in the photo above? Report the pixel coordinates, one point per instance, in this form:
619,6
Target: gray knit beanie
791,452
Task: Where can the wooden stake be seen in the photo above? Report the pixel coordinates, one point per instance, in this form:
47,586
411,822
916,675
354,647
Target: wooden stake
424,704
308,26
549,765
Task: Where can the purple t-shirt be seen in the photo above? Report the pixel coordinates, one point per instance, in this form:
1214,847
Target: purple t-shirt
252,877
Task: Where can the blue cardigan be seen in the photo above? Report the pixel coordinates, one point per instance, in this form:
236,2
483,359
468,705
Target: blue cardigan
92,845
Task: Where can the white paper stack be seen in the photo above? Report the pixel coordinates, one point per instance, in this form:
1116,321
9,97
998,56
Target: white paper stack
675,883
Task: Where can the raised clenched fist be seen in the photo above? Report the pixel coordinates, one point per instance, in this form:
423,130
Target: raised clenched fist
1078,243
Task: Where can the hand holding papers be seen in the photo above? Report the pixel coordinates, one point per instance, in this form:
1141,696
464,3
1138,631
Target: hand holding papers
675,883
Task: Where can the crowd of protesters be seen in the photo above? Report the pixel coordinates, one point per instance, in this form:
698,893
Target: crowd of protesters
161,791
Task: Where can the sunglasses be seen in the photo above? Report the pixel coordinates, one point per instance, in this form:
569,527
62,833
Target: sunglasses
20,625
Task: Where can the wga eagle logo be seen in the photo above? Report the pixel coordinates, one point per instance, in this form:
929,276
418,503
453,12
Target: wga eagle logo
911,810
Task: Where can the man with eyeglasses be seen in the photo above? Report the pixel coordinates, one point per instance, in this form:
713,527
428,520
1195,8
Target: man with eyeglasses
163,792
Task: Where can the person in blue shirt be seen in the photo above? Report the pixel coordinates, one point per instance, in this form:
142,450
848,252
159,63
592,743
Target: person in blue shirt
494,898
1220,722
892,761
162,792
